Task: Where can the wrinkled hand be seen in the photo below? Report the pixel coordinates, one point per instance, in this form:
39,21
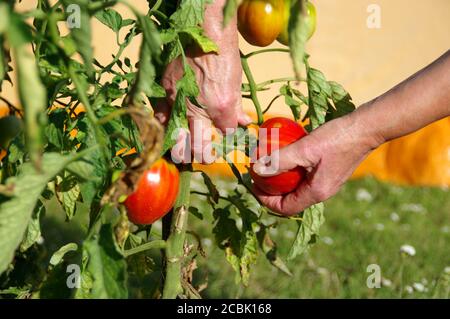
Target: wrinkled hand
330,154
219,76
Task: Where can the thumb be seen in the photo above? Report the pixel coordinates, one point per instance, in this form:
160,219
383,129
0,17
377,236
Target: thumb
285,159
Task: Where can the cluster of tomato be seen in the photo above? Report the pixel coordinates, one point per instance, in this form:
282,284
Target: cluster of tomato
262,21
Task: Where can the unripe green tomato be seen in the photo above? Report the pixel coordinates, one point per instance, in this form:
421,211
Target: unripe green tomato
311,21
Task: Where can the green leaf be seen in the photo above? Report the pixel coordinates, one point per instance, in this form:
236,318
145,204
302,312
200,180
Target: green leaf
189,14
67,192
298,34
205,43
105,267
319,90
18,32
269,248
342,102
289,99
33,232
16,212
82,35
186,88
308,229
111,18
33,98
229,10
212,189
58,255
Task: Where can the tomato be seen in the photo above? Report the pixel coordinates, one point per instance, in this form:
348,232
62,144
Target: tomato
10,127
311,21
289,132
155,194
260,21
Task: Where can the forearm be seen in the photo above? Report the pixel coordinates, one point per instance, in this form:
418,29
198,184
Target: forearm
411,105
213,24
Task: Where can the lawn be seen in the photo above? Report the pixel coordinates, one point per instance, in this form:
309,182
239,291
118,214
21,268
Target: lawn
366,223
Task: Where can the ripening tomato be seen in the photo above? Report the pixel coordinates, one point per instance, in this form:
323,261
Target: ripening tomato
155,194
289,131
260,21
311,21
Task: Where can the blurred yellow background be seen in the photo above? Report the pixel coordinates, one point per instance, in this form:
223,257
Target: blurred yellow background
367,62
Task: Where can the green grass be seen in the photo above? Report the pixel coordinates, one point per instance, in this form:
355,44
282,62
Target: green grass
366,223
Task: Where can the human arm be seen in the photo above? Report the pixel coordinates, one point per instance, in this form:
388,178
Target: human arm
332,152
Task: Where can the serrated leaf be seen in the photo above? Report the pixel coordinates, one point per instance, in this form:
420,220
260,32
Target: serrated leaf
33,232
58,255
342,102
67,192
111,18
308,228
15,213
290,101
212,189
105,267
318,92
205,43
189,14
269,247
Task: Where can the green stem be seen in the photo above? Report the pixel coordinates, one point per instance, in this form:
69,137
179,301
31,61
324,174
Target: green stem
249,55
253,88
155,244
175,242
261,85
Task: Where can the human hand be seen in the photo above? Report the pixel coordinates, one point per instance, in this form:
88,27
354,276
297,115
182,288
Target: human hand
219,76
330,154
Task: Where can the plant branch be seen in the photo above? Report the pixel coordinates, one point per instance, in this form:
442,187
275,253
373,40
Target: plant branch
253,88
249,55
175,242
155,244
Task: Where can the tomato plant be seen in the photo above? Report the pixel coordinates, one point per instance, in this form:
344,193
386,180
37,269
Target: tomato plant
279,132
261,21
155,194
89,137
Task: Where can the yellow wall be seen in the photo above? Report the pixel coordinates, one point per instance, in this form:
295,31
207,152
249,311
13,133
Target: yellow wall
366,61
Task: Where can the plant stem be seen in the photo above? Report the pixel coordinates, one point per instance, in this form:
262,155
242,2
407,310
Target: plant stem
253,88
261,85
175,242
155,244
266,51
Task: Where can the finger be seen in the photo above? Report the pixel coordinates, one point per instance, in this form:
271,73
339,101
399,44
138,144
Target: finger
290,204
201,138
224,116
285,159
243,118
162,111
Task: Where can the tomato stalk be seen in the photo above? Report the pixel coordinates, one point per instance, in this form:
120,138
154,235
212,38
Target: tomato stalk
155,244
175,241
253,88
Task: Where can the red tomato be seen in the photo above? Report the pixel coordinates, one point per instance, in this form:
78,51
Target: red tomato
155,194
288,132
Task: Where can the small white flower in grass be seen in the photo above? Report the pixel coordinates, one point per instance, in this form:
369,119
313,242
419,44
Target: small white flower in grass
419,287
408,250
445,229
328,240
379,227
362,195
357,222
386,282
413,208
447,270
409,289
395,217
424,281
368,214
